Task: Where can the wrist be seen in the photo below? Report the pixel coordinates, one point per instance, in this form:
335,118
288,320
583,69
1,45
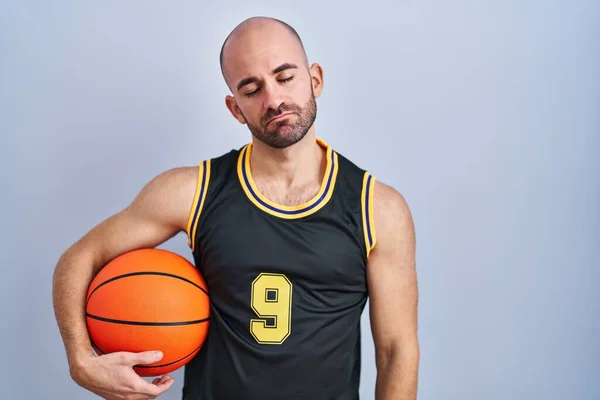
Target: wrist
78,362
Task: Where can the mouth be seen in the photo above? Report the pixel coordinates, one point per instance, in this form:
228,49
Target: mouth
277,118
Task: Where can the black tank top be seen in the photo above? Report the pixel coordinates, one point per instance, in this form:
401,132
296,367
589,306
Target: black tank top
287,284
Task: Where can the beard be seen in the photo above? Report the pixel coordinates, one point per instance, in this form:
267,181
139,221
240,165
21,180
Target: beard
284,133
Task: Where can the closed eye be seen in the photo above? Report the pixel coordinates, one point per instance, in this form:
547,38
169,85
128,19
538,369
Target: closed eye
255,92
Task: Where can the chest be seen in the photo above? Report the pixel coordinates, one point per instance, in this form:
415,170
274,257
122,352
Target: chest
238,244
288,196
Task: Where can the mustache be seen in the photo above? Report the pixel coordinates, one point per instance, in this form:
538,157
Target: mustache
272,113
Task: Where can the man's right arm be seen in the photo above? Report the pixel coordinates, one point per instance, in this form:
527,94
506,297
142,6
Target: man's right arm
158,212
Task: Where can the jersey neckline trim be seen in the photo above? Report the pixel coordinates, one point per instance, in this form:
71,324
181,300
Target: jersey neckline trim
289,212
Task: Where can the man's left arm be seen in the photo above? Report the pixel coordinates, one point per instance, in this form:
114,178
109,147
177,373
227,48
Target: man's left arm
393,293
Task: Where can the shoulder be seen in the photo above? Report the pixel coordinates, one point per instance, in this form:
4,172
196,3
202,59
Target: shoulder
168,195
180,181
383,196
387,198
382,201
386,215
392,217
172,181
171,195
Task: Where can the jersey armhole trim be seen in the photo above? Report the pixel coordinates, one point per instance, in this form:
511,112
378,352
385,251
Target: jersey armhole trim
368,220
198,203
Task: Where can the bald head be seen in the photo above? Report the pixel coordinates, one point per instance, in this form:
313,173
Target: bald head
248,36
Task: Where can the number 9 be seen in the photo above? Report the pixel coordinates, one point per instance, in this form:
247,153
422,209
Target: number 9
272,302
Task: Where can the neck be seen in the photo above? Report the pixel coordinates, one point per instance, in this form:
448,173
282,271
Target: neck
295,164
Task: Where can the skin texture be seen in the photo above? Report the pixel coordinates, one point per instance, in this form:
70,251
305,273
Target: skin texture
266,69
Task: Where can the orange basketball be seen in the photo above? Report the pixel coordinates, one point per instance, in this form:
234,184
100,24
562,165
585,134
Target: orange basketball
149,299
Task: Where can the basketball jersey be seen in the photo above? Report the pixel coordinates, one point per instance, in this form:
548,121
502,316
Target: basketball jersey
287,284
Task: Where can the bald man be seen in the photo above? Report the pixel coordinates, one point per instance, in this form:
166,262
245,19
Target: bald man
292,239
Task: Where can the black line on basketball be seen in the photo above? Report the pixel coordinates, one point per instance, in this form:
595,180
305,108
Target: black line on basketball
144,273
140,323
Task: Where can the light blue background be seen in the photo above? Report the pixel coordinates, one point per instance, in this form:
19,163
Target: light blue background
484,114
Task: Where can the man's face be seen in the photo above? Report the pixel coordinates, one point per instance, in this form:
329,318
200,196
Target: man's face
273,90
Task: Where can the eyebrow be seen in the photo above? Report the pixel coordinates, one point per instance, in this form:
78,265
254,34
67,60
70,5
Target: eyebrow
277,70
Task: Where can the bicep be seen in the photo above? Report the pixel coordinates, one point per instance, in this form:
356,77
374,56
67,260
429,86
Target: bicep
391,272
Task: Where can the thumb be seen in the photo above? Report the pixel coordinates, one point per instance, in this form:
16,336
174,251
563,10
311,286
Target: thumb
146,357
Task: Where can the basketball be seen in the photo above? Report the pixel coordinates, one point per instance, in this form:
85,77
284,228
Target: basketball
149,299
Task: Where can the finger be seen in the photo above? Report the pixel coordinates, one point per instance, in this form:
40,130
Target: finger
145,357
161,379
166,384
156,390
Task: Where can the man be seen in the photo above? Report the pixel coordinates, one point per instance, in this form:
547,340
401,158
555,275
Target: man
290,236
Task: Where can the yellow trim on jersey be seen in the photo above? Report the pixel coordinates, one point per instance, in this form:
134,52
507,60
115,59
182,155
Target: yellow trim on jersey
288,212
198,203
368,219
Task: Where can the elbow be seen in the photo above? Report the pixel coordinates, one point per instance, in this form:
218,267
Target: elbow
72,264
63,262
398,352
59,267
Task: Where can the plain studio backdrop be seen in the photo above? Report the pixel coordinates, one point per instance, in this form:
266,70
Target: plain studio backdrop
483,114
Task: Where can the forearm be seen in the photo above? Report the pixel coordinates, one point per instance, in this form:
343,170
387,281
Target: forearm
397,376
71,278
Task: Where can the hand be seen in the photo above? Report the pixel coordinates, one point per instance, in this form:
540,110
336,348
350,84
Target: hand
111,376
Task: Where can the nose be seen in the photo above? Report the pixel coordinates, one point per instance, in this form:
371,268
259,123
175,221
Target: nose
272,97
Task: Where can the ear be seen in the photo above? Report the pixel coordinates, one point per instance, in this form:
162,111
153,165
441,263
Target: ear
316,74
231,104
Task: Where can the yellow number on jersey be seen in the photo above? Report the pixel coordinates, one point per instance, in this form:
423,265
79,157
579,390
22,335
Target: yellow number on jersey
272,303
